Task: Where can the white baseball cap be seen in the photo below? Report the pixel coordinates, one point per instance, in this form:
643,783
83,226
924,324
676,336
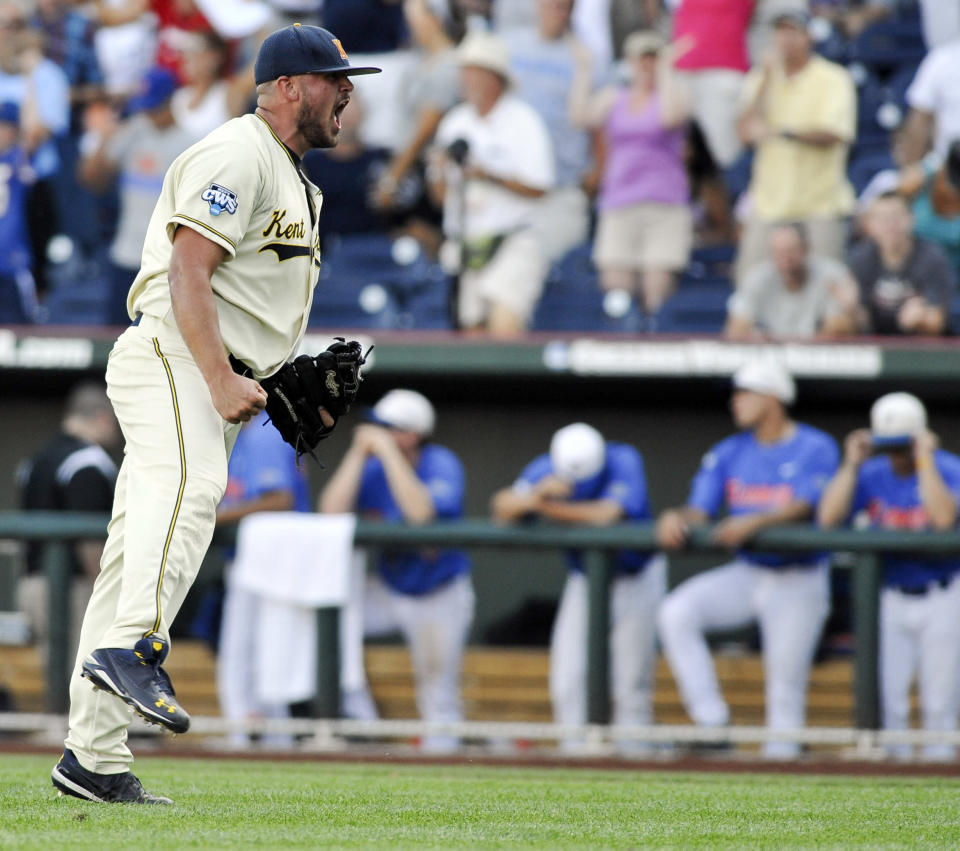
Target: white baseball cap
767,376
485,50
577,452
895,419
405,410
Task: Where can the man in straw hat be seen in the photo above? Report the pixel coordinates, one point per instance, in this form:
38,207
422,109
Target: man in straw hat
492,162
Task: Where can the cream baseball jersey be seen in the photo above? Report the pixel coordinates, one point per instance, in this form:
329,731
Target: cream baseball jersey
240,187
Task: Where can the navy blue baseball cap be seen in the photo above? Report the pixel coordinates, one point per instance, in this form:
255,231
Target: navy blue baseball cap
10,112
302,49
156,88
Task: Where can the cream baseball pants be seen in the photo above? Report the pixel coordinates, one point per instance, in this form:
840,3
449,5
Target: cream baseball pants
173,476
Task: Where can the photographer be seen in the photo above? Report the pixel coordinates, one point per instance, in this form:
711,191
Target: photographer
492,162
895,475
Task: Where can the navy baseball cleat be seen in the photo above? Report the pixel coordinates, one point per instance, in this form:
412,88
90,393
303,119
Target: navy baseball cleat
71,778
135,676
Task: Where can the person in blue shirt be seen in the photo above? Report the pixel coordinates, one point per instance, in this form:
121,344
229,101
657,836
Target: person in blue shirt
18,297
770,473
543,59
262,475
586,480
41,90
392,473
894,475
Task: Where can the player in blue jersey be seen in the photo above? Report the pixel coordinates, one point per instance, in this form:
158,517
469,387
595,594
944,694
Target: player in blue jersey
391,473
894,475
585,480
262,475
770,473
18,296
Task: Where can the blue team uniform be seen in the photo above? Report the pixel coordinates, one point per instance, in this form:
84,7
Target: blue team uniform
15,259
622,479
15,180
418,572
749,477
893,502
262,462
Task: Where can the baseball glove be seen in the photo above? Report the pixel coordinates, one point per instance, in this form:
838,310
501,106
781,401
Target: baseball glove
299,389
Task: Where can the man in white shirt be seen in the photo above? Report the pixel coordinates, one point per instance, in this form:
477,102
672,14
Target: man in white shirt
492,163
934,100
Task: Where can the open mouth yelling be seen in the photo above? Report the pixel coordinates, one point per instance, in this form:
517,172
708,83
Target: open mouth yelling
338,111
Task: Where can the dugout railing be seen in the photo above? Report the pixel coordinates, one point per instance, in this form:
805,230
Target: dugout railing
864,547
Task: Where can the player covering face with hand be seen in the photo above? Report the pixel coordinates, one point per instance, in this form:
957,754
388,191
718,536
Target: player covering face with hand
770,473
585,480
894,475
393,472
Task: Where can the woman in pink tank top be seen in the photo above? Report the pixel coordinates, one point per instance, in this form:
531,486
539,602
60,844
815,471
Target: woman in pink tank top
644,226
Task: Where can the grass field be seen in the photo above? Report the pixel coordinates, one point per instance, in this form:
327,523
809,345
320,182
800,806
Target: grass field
235,804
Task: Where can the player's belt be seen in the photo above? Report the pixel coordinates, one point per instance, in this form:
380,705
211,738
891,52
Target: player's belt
239,367
920,590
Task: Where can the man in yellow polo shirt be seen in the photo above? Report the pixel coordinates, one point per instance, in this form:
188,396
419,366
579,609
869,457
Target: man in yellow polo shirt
799,111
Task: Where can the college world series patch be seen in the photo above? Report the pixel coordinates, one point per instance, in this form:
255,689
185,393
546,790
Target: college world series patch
219,198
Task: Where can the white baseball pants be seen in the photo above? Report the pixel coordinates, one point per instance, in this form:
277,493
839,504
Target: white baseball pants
790,605
633,607
920,635
173,476
435,626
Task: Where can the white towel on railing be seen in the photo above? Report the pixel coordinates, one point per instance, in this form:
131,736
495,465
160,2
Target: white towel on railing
294,563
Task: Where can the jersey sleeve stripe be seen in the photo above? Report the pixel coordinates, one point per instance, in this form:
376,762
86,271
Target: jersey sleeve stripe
196,224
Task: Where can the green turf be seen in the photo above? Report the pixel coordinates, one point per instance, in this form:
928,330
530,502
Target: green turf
235,805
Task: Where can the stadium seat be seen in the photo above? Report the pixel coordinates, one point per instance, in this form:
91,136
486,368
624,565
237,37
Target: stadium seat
898,83
372,281
834,46
77,294
878,111
890,44
710,262
953,320
573,301
367,253
423,299
863,168
696,308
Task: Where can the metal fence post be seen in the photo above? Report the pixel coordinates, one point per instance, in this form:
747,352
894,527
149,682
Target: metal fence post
598,636
866,606
56,566
326,702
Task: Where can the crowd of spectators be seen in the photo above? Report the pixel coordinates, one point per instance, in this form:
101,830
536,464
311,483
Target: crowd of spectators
652,130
